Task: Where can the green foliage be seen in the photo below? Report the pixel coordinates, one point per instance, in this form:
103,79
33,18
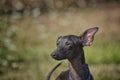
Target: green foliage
16,56
103,52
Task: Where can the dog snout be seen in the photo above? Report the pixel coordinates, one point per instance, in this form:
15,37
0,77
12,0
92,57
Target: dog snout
54,54
58,54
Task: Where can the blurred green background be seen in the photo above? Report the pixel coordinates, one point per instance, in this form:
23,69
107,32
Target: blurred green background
29,29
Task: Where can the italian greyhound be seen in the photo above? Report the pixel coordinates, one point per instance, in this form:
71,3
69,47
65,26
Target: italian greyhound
70,47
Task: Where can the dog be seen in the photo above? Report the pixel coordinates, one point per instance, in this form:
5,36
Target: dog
70,47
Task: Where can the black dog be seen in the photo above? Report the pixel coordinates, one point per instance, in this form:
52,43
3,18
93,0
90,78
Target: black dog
71,47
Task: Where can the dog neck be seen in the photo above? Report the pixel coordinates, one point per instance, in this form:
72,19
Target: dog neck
77,66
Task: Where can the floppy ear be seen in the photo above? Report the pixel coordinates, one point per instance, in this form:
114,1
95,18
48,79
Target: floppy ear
88,36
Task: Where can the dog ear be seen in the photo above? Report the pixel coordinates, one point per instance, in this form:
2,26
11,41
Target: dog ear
88,36
59,38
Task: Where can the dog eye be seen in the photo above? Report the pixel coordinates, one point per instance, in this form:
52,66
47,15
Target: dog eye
67,43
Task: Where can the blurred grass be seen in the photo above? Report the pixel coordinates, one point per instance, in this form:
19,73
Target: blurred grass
26,44
103,53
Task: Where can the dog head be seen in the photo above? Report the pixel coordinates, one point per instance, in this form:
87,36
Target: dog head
68,45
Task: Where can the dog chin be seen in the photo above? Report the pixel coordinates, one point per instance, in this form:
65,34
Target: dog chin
56,58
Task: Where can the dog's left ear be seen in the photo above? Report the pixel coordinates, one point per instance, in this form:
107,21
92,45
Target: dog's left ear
88,36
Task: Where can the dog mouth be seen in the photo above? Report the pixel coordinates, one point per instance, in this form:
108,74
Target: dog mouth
57,57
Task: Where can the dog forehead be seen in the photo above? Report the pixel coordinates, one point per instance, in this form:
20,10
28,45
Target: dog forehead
63,39
69,38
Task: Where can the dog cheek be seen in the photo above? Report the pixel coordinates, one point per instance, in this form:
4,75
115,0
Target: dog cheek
63,55
69,54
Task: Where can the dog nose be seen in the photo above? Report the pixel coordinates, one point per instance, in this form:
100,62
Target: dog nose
53,55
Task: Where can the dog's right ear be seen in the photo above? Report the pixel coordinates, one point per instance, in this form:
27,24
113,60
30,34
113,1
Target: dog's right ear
88,36
58,40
